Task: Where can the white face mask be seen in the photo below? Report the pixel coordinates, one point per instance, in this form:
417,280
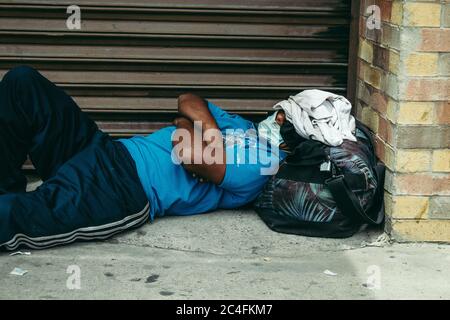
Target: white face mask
270,130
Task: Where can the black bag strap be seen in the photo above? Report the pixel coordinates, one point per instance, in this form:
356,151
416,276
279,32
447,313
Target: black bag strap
369,139
348,202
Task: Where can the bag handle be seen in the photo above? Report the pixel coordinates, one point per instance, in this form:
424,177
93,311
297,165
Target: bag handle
348,202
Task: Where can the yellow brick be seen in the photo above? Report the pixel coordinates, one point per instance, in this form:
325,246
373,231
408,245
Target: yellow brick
413,160
422,64
397,13
389,157
408,207
421,230
415,113
441,160
392,108
388,204
373,77
394,62
423,14
370,118
366,51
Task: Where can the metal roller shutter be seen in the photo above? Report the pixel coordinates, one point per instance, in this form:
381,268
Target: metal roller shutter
131,59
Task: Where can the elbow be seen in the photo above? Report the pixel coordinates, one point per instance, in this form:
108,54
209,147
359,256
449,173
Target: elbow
187,101
186,97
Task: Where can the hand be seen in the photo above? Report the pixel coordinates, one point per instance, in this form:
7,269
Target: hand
284,147
182,122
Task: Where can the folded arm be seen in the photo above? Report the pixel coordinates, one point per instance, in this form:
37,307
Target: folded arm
192,108
195,108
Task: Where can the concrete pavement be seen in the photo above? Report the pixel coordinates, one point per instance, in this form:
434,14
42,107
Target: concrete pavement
229,255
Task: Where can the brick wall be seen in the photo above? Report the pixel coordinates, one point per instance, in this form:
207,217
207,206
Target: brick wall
403,96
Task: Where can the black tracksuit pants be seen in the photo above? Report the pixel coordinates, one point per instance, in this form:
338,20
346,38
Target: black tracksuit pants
91,189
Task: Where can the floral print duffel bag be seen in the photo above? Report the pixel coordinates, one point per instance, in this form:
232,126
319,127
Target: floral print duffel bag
335,199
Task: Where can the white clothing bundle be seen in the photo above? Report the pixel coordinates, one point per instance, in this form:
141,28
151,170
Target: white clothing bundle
321,116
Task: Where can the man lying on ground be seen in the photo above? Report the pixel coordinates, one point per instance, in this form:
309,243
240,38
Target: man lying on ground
95,187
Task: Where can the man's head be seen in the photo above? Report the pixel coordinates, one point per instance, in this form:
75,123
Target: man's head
270,128
280,118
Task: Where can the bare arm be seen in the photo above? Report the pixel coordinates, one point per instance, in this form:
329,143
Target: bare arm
213,172
195,108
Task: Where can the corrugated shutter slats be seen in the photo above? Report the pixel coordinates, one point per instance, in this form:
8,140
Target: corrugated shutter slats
131,59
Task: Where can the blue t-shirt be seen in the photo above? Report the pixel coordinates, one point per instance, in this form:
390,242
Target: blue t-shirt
172,190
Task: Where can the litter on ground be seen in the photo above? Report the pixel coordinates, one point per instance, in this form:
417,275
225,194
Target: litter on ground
18,272
330,273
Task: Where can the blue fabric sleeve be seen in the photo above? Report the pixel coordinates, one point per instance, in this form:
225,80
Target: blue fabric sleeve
227,120
216,111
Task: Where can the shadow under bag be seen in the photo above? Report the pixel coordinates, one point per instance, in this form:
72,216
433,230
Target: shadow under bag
325,191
